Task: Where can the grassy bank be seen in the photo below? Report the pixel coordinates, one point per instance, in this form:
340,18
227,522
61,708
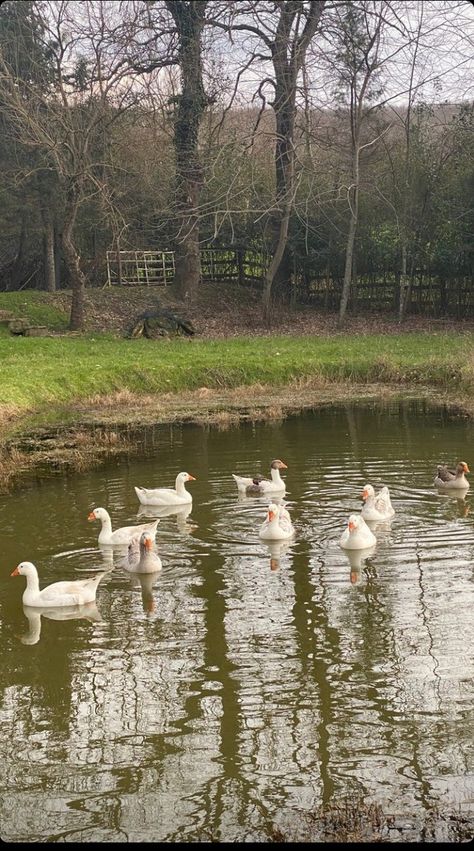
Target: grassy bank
44,372
67,401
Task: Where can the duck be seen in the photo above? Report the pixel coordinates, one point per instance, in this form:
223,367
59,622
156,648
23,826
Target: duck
376,506
357,535
452,479
277,526
75,592
167,496
258,486
141,556
120,537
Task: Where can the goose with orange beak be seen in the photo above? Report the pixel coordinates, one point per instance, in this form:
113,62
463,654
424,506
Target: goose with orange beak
142,557
377,506
119,537
277,526
76,592
259,486
357,535
448,479
167,496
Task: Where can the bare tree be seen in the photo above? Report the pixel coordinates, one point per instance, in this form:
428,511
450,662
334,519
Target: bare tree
357,62
66,123
164,34
279,36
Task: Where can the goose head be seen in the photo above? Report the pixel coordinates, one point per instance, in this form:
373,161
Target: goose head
25,568
147,541
98,514
462,468
355,522
272,512
185,477
278,465
367,492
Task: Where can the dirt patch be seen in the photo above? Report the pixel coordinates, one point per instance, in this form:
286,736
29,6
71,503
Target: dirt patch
224,310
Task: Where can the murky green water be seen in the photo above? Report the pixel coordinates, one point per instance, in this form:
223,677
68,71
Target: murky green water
243,686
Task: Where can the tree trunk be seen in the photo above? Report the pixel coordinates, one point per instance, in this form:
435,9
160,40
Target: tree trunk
192,102
404,285
58,254
49,265
72,260
279,250
288,55
18,264
346,286
354,207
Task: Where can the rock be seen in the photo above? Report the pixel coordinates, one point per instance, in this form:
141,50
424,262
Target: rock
161,323
18,326
36,331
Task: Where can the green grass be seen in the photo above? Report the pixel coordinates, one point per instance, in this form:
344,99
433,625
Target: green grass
31,305
36,372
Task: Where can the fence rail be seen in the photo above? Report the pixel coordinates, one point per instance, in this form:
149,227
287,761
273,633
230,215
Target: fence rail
157,268
430,295
140,268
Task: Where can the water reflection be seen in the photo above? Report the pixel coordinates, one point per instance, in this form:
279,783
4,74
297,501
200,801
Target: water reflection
458,501
357,560
146,581
245,683
33,614
180,512
277,549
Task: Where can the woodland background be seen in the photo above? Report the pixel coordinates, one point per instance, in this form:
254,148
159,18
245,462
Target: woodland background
334,140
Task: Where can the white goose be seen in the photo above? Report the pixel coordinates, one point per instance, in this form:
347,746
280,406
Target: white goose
141,556
357,536
73,593
452,479
258,486
167,496
120,537
277,526
376,506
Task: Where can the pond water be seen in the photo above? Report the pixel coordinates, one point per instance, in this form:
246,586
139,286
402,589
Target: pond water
244,687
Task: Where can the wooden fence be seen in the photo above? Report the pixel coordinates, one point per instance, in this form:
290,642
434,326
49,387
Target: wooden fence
430,295
156,268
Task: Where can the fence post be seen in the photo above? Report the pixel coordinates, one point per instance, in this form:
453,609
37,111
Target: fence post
240,266
119,263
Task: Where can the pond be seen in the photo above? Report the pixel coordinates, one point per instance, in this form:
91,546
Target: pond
245,687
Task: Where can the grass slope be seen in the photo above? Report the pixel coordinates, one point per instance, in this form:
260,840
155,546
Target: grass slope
43,371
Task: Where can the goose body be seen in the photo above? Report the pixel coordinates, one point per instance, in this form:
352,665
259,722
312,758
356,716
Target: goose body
357,535
167,496
258,486
120,537
377,506
277,526
448,479
141,556
76,592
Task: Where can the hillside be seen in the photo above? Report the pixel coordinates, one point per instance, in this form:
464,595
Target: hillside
222,311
